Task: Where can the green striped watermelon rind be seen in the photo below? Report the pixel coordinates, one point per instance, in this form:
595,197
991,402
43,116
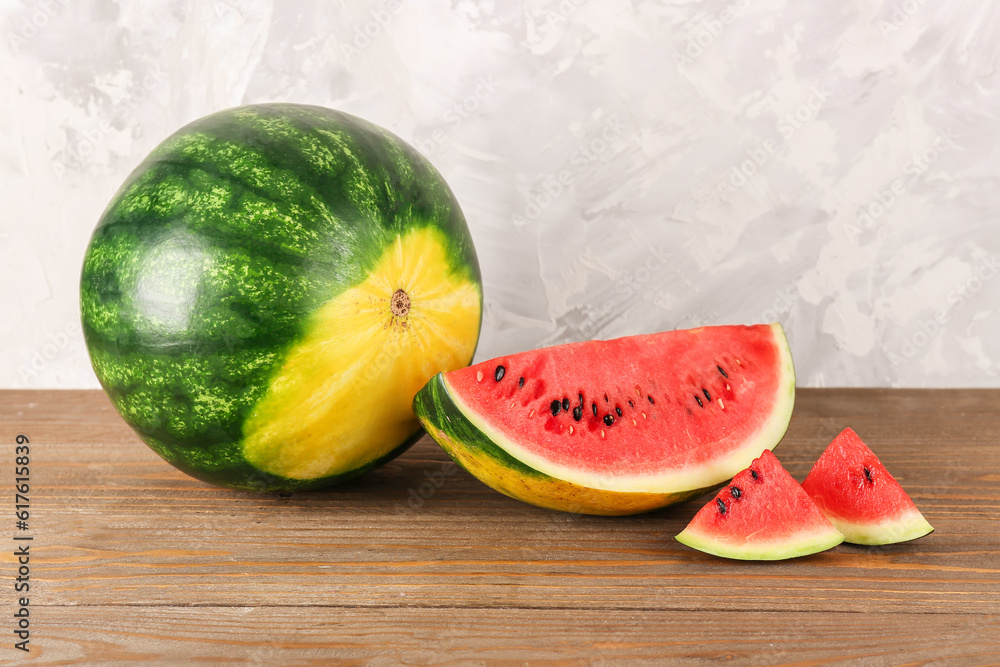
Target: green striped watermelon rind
435,406
188,392
236,473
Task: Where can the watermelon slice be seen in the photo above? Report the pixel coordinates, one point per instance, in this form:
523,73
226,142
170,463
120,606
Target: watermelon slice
619,426
852,487
762,515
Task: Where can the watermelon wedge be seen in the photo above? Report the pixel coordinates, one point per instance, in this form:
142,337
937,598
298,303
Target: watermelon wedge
762,515
619,426
852,487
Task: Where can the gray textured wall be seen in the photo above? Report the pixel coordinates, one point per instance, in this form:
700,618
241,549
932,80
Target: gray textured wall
625,166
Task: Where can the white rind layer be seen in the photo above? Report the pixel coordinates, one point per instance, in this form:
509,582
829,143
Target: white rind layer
907,526
676,480
803,544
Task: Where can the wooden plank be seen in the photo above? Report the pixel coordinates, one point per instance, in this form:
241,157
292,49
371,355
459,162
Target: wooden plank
287,636
115,527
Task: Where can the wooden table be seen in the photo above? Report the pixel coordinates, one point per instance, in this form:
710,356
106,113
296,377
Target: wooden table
134,562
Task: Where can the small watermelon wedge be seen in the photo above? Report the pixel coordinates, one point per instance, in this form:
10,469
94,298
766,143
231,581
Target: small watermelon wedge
762,515
855,491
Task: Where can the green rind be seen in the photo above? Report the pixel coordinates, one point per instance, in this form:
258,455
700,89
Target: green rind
808,544
207,263
434,406
908,528
240,475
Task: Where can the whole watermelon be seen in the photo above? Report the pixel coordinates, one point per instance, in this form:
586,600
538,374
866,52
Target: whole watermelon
268,290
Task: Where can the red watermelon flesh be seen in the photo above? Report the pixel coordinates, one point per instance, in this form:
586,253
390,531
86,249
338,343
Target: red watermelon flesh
852,487
661,412
762,515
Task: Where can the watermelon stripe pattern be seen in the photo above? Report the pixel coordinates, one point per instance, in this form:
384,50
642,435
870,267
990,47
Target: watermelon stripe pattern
209,263
437,406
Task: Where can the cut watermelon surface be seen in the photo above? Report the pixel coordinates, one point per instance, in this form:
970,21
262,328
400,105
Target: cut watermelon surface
762,515
852,487
619,426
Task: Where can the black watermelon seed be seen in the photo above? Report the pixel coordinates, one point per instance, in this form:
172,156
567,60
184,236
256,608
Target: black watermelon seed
565,404
498,373
581,398
722,505
606,399
735,491
724,374
631,404
555,407
520,382
593,406
700,402
651,401
578,413
609,420
618,411
707,395
753,473
868,474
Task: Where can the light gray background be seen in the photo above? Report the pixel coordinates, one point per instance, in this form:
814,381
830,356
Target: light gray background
596,147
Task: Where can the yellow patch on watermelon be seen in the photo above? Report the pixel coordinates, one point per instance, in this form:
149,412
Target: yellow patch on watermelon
342,397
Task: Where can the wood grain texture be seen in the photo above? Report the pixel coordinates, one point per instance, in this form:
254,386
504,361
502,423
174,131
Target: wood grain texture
397,635
419,563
